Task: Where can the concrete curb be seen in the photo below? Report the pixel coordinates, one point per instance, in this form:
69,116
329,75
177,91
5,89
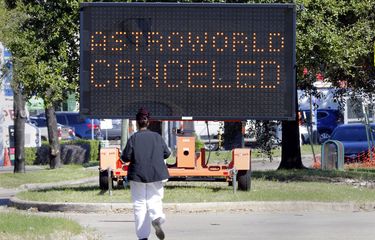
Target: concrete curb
70,207
288,206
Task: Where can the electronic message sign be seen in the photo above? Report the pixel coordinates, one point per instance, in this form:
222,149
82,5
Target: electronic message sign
188,61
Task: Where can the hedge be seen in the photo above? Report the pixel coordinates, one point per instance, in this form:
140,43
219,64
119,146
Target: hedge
78,151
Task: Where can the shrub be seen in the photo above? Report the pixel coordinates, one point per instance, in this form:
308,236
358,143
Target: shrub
198,144
30,155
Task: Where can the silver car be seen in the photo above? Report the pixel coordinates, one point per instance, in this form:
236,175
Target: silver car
64,132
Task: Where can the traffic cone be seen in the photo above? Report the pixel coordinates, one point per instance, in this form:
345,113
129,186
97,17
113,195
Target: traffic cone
6,158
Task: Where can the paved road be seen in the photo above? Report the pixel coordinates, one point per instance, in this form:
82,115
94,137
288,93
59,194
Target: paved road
242,225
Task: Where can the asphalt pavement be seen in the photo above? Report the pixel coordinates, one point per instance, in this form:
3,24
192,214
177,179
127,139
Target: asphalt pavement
240,225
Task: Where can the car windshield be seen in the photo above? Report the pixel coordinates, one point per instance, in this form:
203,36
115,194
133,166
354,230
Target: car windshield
39,122
353,134
75,119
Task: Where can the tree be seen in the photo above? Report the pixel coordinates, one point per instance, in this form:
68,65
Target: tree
54,25
10,25
50,31
334,38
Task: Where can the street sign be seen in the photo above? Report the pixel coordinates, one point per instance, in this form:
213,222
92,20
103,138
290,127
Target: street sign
188,61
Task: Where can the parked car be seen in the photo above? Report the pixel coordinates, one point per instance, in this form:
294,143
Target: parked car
83,126
64,132
354,139
327,121
114,131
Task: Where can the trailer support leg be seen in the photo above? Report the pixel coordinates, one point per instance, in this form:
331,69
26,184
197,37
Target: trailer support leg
234,172
110,181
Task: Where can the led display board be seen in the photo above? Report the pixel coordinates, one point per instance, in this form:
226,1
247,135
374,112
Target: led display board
188,61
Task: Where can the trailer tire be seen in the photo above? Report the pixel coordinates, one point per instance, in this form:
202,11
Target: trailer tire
244,180
103,180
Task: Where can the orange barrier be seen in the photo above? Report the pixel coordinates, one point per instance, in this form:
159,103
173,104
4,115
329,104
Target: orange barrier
6,158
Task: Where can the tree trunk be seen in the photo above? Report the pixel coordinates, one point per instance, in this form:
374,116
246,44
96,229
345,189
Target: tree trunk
291,150
19,130
55,160
290,145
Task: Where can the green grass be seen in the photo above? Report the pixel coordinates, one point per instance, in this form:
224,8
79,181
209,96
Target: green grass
306,149
262,190
314,175
68,172
14,225
301,185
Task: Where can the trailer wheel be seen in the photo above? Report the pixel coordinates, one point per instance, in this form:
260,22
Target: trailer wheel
244,180
103,180
120,183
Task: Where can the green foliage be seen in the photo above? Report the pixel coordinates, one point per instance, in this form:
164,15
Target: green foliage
198,144
336,38
43,39
54,26
30,155
267,139
94,147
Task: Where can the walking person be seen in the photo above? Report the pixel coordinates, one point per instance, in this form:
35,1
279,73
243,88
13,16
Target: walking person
146,151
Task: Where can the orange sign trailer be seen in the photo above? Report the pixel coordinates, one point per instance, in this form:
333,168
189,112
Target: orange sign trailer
189,163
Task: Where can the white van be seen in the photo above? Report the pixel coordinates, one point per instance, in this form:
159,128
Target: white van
32,135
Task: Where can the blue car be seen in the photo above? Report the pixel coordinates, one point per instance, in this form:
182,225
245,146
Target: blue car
327,121
83,126
354,139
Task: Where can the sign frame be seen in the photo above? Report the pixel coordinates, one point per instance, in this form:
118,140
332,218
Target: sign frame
85,103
